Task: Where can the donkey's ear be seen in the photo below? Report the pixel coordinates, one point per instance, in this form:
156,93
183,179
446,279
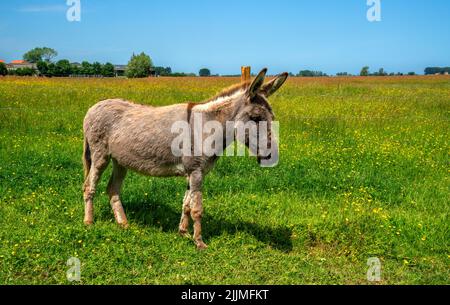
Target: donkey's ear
257,83
275,84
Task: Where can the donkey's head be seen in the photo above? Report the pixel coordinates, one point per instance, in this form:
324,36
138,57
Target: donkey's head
257,112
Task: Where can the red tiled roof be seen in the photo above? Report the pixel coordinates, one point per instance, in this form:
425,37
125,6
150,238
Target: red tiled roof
1,60
18,61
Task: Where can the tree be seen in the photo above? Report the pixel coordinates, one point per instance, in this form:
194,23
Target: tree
86,68
42,67
380,72
139,66
76,69
411,73
48,54
204,72
305,73
39,54
432,70
3,69
63,68
33,56
161,71
108,70
364,71
97,68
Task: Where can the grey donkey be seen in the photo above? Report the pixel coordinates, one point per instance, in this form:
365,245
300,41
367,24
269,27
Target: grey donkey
139,138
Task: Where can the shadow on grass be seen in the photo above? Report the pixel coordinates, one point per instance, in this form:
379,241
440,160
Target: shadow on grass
165,217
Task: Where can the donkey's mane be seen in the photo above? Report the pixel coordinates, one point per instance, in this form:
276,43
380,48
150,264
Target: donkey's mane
229,91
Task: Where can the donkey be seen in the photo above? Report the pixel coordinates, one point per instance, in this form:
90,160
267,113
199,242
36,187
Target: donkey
138,137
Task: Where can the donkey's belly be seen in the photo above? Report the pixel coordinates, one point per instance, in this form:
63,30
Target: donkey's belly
150,166
162,171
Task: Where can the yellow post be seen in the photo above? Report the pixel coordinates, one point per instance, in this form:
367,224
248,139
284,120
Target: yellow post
245,73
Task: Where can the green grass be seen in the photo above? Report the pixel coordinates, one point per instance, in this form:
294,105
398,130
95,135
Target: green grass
364,172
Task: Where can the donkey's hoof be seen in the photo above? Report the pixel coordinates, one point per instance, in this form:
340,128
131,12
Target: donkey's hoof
88,222
123,225
184,233
201,246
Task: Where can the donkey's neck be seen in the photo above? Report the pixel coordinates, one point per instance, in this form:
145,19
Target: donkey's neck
223,108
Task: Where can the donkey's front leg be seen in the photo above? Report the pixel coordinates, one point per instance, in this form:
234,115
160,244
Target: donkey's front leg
186,211
195,182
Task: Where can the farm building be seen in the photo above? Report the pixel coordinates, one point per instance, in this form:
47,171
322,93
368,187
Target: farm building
16,64
119,70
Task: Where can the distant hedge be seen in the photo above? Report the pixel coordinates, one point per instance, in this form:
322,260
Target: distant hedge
437,70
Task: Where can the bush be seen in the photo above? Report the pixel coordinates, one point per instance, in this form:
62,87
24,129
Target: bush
24,72
3,69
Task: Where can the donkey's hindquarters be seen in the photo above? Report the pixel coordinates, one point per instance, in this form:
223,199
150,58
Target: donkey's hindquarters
86,158
93,170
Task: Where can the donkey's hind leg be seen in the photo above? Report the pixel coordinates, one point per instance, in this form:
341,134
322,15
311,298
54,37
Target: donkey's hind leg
98,166
114,186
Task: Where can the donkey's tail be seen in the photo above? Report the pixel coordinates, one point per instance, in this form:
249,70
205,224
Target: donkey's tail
86,158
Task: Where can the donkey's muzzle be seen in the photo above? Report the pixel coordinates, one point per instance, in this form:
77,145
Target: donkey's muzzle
261,159
270,160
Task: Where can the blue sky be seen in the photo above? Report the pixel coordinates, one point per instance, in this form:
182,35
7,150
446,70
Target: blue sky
284,35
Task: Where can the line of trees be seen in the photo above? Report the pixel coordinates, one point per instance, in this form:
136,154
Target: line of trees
381,72
141,65
309,73
437,70
64,68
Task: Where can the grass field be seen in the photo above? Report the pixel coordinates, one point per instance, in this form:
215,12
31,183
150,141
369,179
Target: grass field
363,172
